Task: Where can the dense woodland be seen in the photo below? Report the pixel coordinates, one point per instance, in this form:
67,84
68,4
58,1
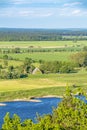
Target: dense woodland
42,34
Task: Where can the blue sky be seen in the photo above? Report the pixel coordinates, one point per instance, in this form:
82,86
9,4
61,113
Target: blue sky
43,13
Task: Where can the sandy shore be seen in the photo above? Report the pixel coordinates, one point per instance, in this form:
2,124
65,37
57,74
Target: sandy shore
30,99
2,104
50,96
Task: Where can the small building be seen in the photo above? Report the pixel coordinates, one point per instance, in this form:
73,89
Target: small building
36,71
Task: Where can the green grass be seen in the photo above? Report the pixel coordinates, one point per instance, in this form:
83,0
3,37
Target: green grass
42,84
41,43
47,56
8,96
39,85
11,62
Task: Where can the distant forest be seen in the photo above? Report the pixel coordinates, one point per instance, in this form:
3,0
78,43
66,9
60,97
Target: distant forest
7,34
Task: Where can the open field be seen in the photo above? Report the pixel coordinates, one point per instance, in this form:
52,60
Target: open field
47,56
46,80
42,44
11,62
42,84
34,84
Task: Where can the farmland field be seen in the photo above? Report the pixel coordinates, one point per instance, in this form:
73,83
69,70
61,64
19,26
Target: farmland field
42,84
24,44
48,56
33,83
51,50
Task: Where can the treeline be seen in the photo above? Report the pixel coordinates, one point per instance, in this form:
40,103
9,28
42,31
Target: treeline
71,114
41,35
39,49
77,60
57,67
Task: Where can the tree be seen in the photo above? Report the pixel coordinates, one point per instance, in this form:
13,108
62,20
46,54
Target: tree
79,58
11,68
11,123
85,61
5,57
71,114
16,50
5,63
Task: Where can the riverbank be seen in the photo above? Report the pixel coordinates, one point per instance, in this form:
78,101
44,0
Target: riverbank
31,99
25,95
2,104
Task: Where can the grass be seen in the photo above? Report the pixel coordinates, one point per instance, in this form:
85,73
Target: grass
42,84
47,56
33,82
41,43
11,95
11,62
39,85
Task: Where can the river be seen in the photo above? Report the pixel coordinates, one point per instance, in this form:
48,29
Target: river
26,109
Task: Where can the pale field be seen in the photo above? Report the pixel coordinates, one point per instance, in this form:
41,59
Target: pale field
11,62
42,44
45,81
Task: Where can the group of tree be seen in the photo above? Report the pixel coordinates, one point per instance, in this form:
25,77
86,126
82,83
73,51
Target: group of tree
41,34
18,50
71,114
57,67
14,72
80,58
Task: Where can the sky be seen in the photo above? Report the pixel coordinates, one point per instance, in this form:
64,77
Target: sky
53,14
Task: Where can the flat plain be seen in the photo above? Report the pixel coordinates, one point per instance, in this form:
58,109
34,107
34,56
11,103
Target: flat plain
42,84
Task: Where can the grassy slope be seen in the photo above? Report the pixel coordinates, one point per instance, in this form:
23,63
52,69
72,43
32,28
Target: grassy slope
41,81
39,85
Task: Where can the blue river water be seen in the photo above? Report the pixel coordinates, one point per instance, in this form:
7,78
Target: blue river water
26,109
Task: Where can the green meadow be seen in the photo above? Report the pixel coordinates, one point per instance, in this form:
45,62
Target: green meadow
50,44
41,84
47,56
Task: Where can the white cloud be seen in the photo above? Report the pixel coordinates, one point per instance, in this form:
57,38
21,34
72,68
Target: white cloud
69,9
18,2
35,13
72,12
33,1
76,12
72,4
26,12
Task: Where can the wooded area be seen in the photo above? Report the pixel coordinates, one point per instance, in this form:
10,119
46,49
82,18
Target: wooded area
7,34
